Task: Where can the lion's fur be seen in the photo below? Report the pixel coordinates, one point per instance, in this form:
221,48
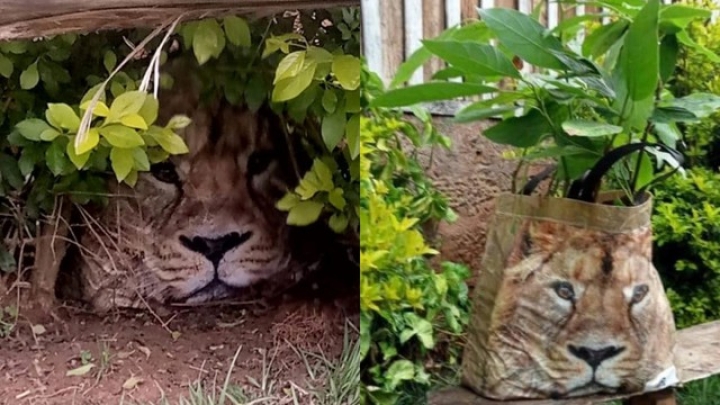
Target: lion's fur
133,252
533,327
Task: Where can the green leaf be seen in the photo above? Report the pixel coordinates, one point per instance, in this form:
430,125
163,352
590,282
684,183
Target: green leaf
333,128
329,100
290,66
669,49
288,201
171,142
335,197
6,66
338,222
433,91
319,55
398,372
411,64
304,213
109,61
522,132
56,157
89,141
149,110
134,121
31,128
91,93
419,327
62,116
237,31
291,87
473,58
599,41
142,163
323,174
681,15
672,114
208,40
480,111
700,104
352,134
7,260
347,71
590,128
639,57
126,104
121,136
524,35
11,172
30,77
122,162
686,40
78,160
29,157
49,134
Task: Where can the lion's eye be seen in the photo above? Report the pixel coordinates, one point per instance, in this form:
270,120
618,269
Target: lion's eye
564,290
258,162
165,172
639,292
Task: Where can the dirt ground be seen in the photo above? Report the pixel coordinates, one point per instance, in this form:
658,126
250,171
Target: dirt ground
143,358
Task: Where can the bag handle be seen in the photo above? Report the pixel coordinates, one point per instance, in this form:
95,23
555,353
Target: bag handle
586,187
536,179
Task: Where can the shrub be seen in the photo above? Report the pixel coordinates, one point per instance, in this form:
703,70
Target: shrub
687,236
407,307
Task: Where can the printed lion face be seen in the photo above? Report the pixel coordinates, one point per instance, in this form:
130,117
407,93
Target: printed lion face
202,225
579,312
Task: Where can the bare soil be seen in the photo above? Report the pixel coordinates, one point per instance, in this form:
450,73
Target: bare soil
143,357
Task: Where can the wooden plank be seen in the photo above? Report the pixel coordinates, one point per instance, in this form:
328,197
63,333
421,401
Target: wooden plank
393,37
372,34
36,18
413,17
697,356
434,16
469,9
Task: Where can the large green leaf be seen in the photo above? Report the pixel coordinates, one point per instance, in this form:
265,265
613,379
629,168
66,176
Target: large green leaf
433,91
686,40
474,58
639,58
524,35
237,30
700,104
669,50
522,132
680,16
589,128
121,136
480,110
601,39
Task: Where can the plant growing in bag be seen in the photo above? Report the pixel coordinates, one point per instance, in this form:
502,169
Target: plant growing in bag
570,303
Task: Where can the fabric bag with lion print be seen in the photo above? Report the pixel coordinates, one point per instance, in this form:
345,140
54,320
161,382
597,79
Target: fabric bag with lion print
568,302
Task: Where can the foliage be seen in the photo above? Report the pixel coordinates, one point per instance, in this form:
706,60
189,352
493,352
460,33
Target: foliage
687,235
48,148
695,72
406,305
582,100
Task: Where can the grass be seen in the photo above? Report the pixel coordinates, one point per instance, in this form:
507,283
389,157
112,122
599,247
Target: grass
329,382
702,392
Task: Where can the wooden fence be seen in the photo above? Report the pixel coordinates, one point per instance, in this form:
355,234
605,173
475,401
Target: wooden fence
393,29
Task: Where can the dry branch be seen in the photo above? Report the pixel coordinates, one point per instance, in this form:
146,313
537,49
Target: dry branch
37,18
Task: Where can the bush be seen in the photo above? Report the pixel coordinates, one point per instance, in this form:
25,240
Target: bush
687,236
407,307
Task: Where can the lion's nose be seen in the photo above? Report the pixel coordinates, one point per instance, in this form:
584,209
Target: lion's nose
215,248
594,357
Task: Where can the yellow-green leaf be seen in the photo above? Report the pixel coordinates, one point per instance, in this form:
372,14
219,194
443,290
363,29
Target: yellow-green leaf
288,201
49,134
131,178
122,162
338,222
29,78
126,104
291,87
208,40
142,163
352,133
335,197
100,110
6,66
80,371
121,136
304,213
289,66
324,175
149,110
109,61
319,55
171,142
134,121
347,71
178,122
237,31
62,116
78,160
333,128
88,142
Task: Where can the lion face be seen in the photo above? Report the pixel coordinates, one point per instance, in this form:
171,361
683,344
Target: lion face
204,224
579,312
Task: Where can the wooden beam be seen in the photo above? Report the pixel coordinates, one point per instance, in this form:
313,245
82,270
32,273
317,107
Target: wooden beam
37,18
697,356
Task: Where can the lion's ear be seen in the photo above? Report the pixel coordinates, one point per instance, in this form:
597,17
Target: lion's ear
542,237
636,242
